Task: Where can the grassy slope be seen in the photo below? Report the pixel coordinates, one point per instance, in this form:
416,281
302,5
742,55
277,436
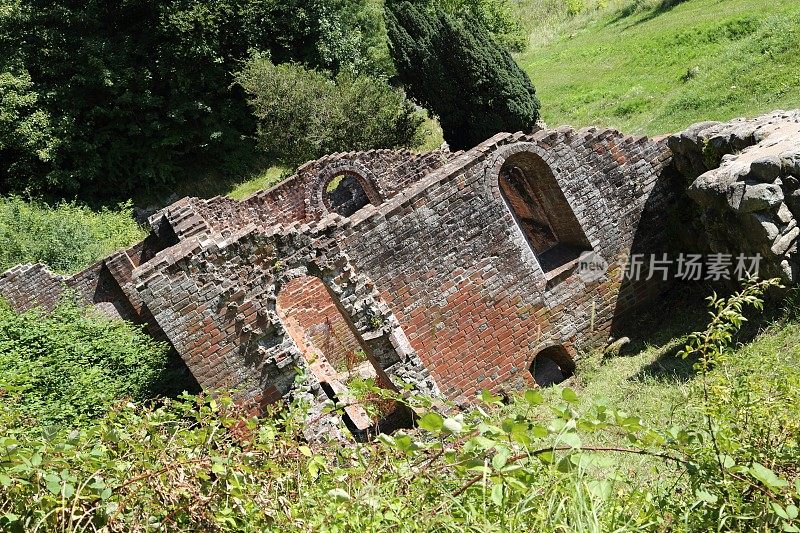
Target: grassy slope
648,378
627,69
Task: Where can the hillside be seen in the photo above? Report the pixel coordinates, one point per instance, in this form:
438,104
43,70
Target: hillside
656,70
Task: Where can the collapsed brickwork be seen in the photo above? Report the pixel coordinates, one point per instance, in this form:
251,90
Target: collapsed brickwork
454,272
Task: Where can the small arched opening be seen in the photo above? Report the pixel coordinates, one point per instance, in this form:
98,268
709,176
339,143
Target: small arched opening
552,366
542,212
345,194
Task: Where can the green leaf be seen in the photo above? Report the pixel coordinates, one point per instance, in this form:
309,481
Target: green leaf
780,511
497,494
570,439
432,422
54,487
569,395
339,495
305,450
500,459
488,398
534,397
706,496
539,432
767,477
453,426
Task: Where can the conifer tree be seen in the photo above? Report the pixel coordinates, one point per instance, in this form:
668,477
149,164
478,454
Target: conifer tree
453,67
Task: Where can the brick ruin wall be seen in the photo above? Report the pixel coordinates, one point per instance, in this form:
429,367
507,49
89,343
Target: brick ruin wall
436,281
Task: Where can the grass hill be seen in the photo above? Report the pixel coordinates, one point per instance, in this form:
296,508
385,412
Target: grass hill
656,67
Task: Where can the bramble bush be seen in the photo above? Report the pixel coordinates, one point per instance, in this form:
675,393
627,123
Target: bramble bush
199,463
66,236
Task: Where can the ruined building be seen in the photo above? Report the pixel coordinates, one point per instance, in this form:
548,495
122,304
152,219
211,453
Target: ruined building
453,272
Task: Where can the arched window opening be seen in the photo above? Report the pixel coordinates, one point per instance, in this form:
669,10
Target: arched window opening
345,194
552,366
334,350
542,213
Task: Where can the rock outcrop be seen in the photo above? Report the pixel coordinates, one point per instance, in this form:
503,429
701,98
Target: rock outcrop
744,176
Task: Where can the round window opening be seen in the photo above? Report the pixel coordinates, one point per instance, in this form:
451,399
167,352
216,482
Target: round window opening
552,366
345,195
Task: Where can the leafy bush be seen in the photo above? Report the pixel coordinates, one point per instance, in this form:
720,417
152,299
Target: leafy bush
454,68
106,98
67,237
72,364
303,114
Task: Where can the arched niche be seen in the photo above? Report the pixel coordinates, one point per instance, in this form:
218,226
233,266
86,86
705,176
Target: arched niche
542,213
345,188
338,352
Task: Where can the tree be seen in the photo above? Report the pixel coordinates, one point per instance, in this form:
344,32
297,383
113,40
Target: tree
303,114
105,98
453,67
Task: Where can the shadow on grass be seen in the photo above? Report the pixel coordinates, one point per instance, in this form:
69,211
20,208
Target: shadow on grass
635,8
680,311
669,367
684,310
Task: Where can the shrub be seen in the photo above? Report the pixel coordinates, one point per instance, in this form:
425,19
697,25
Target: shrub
67,236
70,365
108,98
499,17
302,114
454,68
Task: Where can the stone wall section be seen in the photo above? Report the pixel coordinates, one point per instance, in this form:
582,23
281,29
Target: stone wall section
744,179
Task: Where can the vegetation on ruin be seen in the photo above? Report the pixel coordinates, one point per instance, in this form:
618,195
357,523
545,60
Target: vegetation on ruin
715,449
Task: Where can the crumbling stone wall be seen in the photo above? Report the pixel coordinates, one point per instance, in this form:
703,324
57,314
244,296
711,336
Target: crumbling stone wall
744,177
465,284
435,277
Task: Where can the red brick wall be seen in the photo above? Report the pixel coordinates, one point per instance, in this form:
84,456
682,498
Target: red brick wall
311,316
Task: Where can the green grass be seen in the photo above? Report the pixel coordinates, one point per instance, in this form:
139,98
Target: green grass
629,67
264,180
66,236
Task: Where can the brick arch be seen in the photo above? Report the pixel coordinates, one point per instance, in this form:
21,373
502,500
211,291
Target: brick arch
551,365
565,167
325,323
315,199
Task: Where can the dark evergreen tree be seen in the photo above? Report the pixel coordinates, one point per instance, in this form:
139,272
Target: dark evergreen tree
453,67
